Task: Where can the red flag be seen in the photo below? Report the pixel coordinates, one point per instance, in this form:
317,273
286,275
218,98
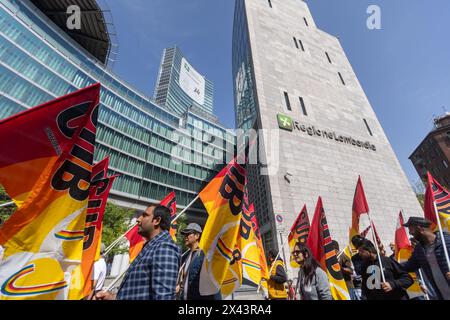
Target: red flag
170,202
437,195
300,228
136,242
319,241
401,238
360,205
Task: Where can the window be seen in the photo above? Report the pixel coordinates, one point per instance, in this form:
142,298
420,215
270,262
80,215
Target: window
296,44
328,57
288,103
306,21
301,45
342,79
270,3
302,104
368,128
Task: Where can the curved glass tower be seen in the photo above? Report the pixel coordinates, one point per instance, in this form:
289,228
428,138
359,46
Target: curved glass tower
154,150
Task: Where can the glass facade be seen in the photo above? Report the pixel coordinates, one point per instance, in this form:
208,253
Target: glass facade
246,119
169,91
153,150
245,105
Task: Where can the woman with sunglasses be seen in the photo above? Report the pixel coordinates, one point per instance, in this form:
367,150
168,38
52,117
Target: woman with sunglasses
312,283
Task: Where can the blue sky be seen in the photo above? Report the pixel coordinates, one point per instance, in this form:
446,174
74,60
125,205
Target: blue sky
404,68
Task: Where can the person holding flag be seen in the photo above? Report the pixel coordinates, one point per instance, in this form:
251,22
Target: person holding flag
429,255
153,274
277,278
388,283
191,263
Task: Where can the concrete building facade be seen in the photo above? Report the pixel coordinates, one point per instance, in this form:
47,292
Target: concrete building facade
294,81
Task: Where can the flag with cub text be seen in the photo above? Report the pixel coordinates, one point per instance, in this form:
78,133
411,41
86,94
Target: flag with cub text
47,172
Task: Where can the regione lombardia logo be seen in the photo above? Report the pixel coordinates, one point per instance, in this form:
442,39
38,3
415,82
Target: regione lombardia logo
284,122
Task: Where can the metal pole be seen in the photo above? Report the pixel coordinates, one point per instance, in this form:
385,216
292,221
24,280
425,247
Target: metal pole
376,246
112,245
116,280
441,232
6,204
427,297
284,255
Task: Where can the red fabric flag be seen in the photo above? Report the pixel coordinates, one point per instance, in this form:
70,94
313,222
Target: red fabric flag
136,242
437,195
360,205
319,241
170,202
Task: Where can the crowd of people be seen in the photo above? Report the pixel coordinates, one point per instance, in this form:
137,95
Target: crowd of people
161,272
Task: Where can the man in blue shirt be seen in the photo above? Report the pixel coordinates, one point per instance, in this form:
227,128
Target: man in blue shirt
153,274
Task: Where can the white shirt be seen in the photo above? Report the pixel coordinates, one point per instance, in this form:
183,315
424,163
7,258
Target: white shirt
99,273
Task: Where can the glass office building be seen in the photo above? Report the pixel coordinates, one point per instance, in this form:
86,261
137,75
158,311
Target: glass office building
180,87
154,150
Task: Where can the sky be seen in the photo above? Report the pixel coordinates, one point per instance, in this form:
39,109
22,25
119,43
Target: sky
404,68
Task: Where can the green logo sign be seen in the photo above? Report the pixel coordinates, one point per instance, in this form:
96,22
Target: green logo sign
284,122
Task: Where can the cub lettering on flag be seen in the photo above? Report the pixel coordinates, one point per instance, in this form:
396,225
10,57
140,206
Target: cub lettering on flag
81,285
47,171
319,241
223,200
299,232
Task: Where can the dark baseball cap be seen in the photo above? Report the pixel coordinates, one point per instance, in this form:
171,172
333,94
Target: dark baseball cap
418,222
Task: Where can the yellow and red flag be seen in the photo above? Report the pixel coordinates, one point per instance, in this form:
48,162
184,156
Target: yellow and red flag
170,202
47,171
360,207
136,242
299,232
223,200
263,272
403,251
319,241
81,285
436,194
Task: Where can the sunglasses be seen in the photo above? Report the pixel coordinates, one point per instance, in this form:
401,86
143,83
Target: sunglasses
296,252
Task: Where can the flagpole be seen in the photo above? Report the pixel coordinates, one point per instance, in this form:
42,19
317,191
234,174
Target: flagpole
6,204
427,297
273,264
187,207
116,280
376,247
441,232
115,242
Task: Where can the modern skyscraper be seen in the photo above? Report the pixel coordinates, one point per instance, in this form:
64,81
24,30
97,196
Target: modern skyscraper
180,87
154,150
290,75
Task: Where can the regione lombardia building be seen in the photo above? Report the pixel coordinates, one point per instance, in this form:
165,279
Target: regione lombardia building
290,75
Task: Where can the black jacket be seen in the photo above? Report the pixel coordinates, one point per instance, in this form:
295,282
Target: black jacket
418,259
395,276
193,283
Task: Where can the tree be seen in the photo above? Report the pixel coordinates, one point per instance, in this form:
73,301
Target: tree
181,224
5,212
419,189
116,222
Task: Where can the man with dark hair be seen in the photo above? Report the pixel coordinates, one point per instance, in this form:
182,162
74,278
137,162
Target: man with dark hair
373,287
278,278
153,274
429,255
188,284
357,262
